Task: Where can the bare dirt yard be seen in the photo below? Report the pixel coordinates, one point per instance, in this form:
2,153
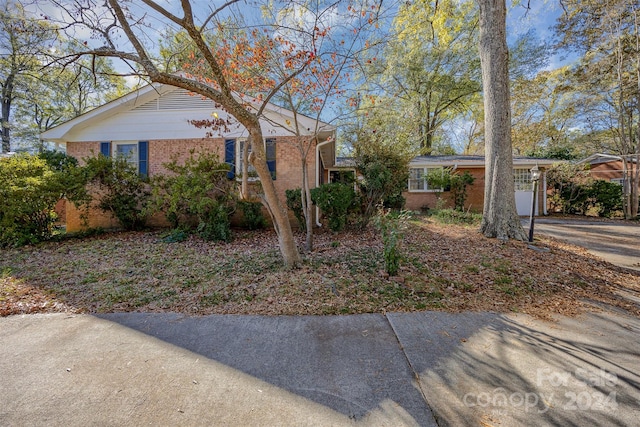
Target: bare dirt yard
445,267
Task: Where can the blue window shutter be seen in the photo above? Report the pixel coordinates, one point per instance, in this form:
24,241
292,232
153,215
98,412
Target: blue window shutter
270,144
143,158
230,156
105,149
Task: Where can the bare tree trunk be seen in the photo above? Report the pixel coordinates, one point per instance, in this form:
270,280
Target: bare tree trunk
500,218
635,167
244,186
271,201
631,181
7,94
305,196
626,188
635,182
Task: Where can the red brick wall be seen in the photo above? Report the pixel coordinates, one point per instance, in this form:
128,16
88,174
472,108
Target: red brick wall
288,169
82,150
164,151
607,171
475,194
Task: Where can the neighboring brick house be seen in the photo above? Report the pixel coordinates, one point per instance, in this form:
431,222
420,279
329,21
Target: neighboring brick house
419,195
151,125
608,167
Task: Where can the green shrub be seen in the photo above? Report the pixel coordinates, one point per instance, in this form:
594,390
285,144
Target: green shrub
566,181
384,172
252,217
29,190
392,226
606,196
575,192
335,200
294,202
394,201
58,161
453,181
215,224
174,236
122,191
198,196
459,183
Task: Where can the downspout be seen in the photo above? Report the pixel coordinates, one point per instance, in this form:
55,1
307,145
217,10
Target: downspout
544,193
318,172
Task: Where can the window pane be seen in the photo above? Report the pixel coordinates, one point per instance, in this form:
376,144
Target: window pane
128,151
416,179
270,148
522,180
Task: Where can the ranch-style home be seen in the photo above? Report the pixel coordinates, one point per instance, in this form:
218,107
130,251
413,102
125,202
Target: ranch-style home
419,195
151,126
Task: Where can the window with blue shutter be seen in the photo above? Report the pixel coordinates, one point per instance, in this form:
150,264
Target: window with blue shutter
270,147
230,156
143,158
105,149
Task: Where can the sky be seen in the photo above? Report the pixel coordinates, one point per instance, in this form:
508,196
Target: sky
541,16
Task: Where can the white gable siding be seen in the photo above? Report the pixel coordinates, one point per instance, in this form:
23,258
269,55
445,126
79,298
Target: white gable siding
177,100
166,117
157,112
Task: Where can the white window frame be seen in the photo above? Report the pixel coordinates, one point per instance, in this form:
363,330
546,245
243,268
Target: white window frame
522,179
619,181
115,154
421,181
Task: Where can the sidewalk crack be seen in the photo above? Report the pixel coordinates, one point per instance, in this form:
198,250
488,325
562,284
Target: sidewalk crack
416,375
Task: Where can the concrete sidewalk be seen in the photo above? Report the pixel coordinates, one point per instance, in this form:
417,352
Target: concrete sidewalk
376,370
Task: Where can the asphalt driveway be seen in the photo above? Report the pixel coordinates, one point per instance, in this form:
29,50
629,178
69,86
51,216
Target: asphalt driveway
615,242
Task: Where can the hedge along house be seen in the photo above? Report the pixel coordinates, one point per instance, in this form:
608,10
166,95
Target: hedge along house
152,126
619,169
420,196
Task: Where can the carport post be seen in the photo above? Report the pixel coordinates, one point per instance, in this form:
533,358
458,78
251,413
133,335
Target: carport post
535,177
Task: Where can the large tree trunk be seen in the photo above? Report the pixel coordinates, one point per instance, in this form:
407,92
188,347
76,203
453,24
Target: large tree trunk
500,218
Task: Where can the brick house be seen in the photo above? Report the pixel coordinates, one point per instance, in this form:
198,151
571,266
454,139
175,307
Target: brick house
419,195
608,167
152,126
621,170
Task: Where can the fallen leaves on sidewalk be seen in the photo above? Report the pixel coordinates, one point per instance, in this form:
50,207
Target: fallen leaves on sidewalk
445,267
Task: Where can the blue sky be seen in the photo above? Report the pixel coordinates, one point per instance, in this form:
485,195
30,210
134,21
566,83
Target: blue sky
541,16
